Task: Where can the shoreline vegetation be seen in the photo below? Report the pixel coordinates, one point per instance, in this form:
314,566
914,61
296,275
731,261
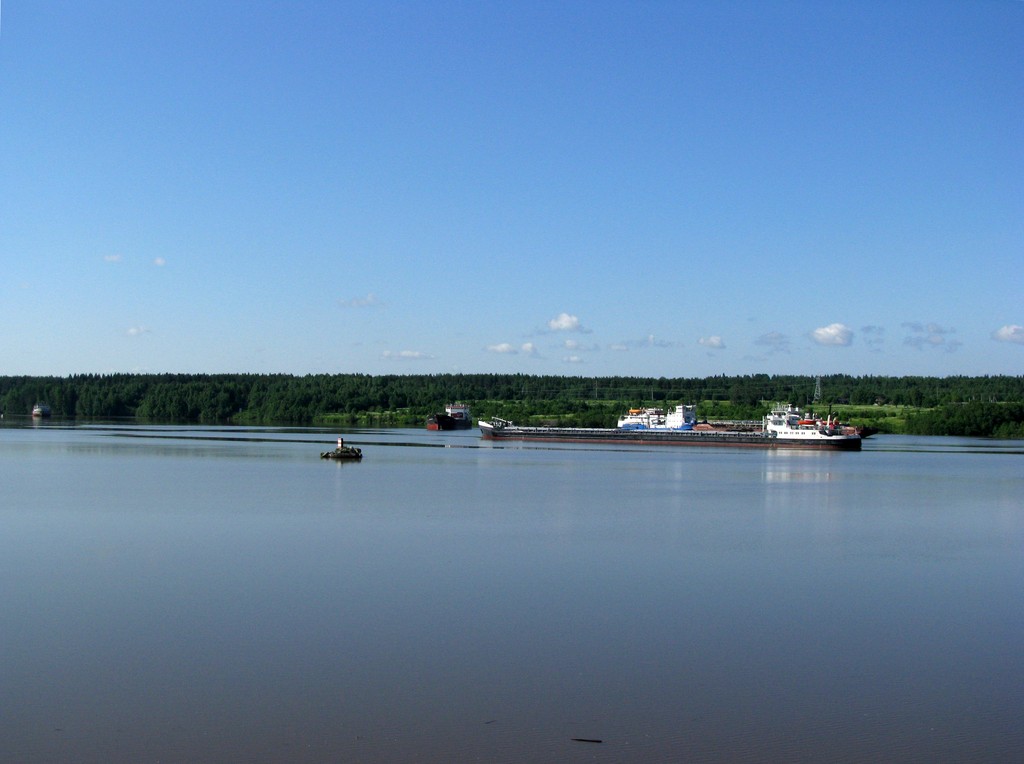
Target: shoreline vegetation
988,406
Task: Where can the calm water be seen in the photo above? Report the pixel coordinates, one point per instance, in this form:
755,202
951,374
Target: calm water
187,594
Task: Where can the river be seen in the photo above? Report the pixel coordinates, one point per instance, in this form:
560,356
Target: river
222,594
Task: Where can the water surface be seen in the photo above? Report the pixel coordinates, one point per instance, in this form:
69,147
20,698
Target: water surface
201,594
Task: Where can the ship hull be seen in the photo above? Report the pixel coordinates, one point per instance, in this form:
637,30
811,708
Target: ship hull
446,422
666,437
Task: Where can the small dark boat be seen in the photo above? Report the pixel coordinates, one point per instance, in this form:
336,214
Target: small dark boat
343,452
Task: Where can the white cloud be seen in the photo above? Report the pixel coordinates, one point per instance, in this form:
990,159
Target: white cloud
112,258
564,322
839,335
573,359
575,346
159,262
1010,333
714,342
406,355
360,302
135,331
503,348
507,348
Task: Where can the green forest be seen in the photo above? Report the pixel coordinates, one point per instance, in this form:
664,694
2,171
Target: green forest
973,406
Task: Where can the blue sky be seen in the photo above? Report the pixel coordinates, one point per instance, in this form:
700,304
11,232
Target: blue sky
583,188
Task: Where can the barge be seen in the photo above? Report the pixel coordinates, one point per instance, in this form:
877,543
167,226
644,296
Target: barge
783,427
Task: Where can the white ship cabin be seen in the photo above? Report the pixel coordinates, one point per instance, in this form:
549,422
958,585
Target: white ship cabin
787,420
680,418
457,410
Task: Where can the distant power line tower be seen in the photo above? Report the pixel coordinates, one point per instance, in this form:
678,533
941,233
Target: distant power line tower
817,390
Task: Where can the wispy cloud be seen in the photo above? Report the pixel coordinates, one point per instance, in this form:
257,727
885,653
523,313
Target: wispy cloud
573,359
835,335
159,262
714,342
369,301
565,322
874,336
112,258
776,342
1010,333
406,355
650,341
930,336
136,331
576,346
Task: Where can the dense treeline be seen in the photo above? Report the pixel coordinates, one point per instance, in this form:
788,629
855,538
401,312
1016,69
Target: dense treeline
943,405
973,420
